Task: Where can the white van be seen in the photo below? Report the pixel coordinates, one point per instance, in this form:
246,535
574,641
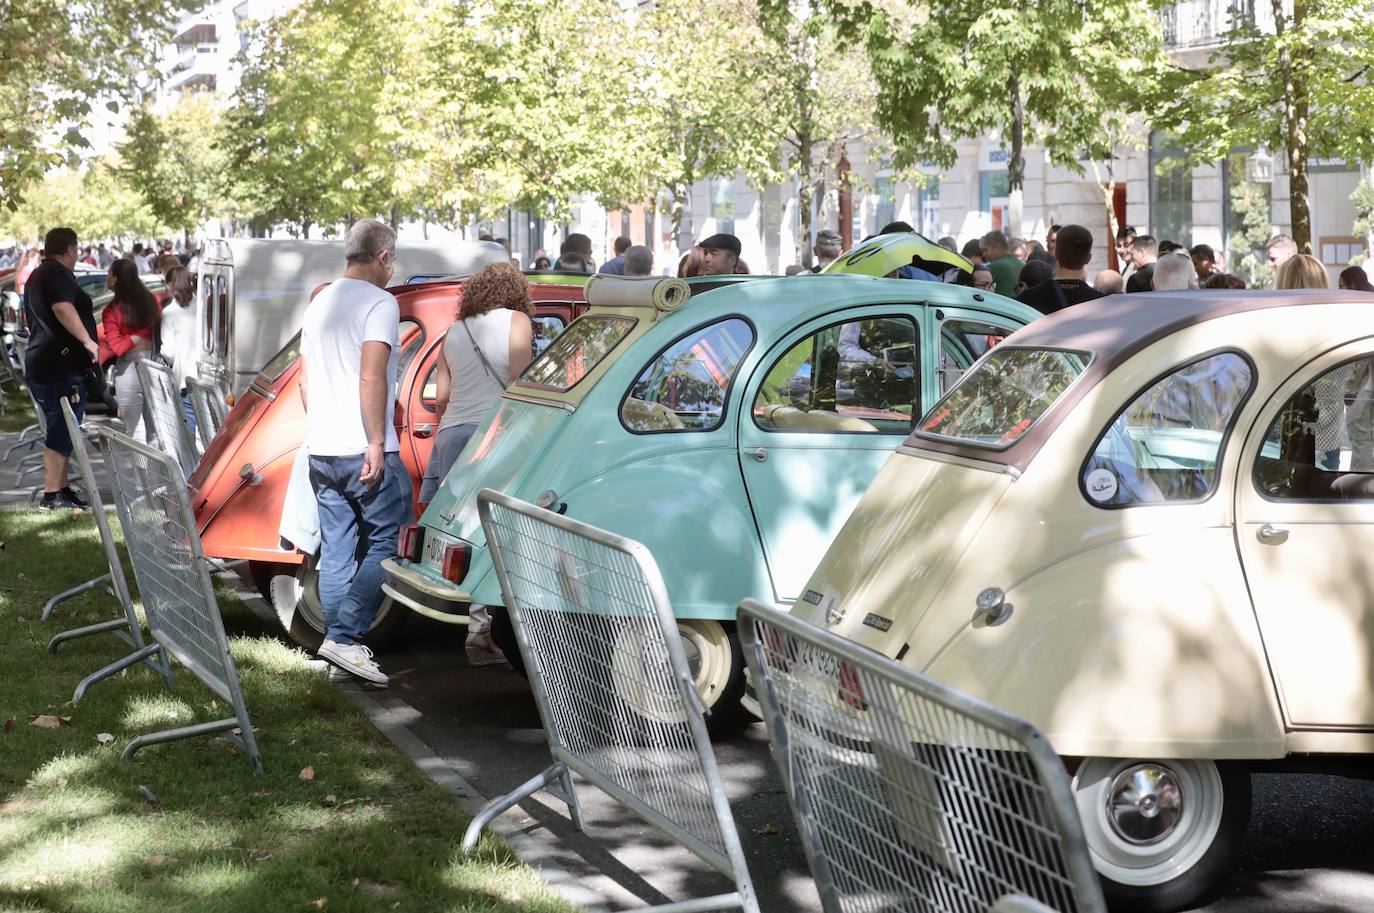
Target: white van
253,292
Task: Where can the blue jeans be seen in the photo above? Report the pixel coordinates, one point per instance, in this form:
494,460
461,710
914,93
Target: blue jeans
359,528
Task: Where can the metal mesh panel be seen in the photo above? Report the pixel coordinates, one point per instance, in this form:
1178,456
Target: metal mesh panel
160,533
599,639
207,402
908,794
169,417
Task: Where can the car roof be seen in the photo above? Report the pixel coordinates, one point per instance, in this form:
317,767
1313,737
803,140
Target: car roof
1117,326
769,300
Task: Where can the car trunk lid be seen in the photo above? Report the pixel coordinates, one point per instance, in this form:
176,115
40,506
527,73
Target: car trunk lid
503,452
906,536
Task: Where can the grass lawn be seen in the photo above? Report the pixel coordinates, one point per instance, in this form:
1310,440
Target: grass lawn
18,408
341,820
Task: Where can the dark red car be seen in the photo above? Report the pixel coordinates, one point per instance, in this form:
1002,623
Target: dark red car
238,487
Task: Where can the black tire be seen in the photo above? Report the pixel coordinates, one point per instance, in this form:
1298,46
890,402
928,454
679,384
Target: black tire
1188,888
726,716
293,593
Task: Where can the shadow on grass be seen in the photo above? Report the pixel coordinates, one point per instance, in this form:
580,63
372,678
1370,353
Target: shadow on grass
339,816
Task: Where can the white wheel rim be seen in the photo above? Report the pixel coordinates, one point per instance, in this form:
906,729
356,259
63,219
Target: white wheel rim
1165,858
707,646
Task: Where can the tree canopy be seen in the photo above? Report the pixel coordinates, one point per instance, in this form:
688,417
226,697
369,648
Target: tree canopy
57,61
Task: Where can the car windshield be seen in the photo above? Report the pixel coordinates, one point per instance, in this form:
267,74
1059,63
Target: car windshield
282,360
577,351
1003,396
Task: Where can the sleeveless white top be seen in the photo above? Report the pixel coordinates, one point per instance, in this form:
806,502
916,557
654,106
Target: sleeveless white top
474,391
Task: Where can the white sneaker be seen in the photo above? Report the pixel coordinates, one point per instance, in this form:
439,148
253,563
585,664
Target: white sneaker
482,650
354,659
338,675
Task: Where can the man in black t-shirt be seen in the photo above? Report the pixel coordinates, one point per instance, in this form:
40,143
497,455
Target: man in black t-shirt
62,344
1074,250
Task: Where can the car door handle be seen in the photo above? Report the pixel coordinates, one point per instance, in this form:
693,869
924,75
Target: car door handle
424,431
1271,533
759,453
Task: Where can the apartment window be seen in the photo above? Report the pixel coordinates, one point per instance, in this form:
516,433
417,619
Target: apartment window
723,205
1171,192
885,209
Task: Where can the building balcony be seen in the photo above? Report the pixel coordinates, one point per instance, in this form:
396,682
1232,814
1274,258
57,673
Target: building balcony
1190,24
195,70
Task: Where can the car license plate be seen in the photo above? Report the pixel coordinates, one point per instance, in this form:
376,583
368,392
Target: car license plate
434,547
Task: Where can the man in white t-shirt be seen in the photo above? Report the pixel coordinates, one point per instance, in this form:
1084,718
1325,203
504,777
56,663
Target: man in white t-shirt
349,347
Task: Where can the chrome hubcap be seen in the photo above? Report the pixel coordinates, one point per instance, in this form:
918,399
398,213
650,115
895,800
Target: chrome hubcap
1144,803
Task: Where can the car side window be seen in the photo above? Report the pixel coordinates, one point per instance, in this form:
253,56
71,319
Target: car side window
1166,445
1320,447
685,387
861,376
962,342
412,336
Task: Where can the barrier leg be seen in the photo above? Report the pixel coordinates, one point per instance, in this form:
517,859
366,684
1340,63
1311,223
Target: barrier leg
499,806
93,584
115,624
24,441
132,659
569,795
181,732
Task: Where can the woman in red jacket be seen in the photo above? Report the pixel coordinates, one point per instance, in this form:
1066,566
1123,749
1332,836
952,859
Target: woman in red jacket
130,325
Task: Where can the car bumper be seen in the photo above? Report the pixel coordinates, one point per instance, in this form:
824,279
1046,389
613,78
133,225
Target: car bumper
419,593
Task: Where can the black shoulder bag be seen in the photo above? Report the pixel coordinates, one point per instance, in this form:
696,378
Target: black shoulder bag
92,374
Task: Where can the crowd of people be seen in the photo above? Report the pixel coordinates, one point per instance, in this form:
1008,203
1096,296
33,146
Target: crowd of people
65,356
154,257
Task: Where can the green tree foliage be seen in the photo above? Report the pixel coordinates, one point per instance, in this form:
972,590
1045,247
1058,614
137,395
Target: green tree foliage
95,200
175,161
1055,73
1297,75
322,130
56,62
1251,205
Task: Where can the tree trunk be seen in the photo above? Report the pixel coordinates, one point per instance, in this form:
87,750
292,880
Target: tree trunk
1295,108
1016,165
805,198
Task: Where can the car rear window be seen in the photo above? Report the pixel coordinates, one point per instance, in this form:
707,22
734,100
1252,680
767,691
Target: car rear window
577,351
282,360
1006,393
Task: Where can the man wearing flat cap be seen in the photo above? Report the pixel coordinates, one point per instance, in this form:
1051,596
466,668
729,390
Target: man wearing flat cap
720,254
826,249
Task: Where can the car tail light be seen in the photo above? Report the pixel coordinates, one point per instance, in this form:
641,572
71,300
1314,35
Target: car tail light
851,689
408,547
454,564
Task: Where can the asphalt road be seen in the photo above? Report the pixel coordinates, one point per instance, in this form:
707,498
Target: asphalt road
1310,848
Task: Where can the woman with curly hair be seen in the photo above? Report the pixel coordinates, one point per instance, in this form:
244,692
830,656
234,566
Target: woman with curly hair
487,348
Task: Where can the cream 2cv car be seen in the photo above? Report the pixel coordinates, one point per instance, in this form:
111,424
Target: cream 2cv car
1146,526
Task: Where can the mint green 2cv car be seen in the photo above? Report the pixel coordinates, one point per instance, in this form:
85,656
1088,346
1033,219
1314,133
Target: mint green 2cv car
730,426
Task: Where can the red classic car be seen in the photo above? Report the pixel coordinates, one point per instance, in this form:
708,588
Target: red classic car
238,487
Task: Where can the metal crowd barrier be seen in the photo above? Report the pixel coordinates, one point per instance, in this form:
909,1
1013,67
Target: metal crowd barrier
588,605
163,399
908,794
207,403
112,581
31,437
173,577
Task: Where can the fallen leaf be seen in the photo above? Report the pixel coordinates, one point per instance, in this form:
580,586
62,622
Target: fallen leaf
30,784
9,724
65,719
260,793
61,781
319,903
149,794
308,773
766,831
512,896
45,721
331,799
262,855
104,738
157,860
